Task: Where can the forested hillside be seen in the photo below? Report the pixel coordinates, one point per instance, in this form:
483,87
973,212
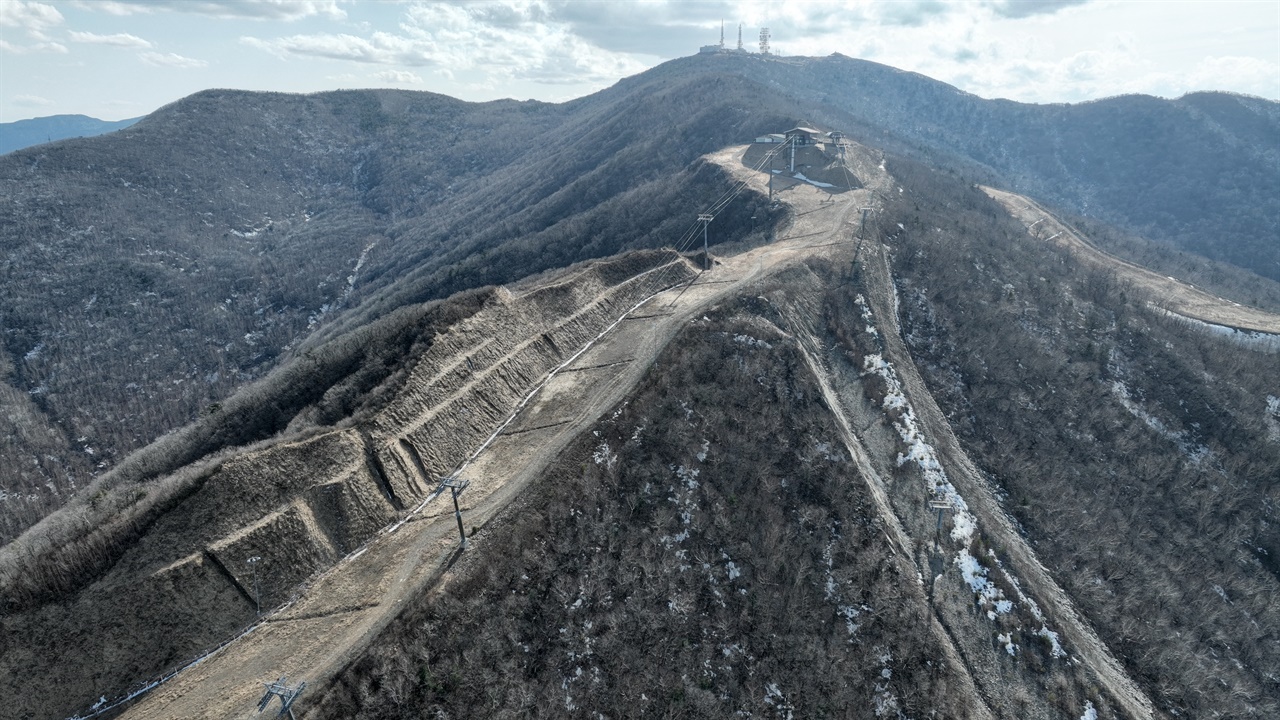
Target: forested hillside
886,450
1201,173
151,272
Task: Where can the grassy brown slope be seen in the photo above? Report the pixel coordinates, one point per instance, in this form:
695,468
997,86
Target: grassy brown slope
705,550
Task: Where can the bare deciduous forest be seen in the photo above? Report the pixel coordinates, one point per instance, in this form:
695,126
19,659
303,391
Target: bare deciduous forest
240,276
1137,454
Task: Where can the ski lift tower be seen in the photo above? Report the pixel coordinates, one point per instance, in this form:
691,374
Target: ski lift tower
942,504
705,220
288,696
456,485
257,593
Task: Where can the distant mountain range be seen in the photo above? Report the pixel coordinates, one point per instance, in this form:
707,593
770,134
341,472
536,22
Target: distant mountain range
25,133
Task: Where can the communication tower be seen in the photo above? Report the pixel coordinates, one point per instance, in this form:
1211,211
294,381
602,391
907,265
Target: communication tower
764,41
739,37
722,35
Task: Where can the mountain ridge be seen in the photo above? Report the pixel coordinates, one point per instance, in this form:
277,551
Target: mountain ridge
21,134
958,349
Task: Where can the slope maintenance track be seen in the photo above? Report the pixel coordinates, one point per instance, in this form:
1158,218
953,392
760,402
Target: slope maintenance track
344,609
1172,294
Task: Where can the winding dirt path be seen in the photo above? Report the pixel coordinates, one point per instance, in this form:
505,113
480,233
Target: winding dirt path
982,502
1174,295
343,610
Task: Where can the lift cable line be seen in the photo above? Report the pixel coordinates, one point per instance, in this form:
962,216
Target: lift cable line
688,237
729,195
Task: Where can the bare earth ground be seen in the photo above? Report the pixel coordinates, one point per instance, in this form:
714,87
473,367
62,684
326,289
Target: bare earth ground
1174,295
343,609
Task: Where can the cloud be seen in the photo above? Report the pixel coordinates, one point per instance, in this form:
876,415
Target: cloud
913,13
509,40
34,48
36,19
1027,8
225,9
379,48
175,60
398,76
33,17
116,40
31,101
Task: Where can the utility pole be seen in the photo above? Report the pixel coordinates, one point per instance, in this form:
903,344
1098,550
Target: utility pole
793,154
706,259
456,486
257,595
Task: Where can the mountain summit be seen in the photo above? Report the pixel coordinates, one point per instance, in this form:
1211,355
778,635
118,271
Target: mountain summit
773,387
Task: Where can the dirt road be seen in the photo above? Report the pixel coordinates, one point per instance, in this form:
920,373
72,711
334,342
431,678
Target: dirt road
1173,295
343,610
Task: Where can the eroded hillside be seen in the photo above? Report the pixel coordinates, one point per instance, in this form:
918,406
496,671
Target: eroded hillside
892,472
1051,577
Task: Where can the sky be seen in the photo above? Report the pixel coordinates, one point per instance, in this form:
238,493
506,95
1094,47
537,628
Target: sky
116,59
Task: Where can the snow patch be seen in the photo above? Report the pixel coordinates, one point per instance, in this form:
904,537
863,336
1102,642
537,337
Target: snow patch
752,342
773,697
815,183
975,575
1010,647
604,456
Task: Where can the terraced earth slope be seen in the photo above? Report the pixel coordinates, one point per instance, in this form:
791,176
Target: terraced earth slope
756,528
794,484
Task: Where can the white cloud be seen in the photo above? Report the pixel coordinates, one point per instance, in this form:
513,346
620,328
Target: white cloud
1247,75
175,60
398,76
1027,8
117,39
31,101
379,48
39,47
34,17
225,9
507,40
